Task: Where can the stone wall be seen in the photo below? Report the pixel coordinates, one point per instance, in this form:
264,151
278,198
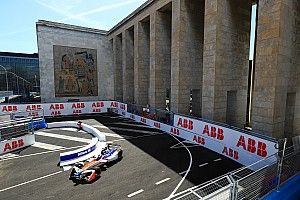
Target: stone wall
225,60
50,34
276,86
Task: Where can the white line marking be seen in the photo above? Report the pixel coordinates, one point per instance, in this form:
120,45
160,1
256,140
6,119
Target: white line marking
112,135
46,146
203,164
135,193
72,129
100,126
182,172
162,181
76,130
218,159
9,155
64,137
2,190
187,171
45,152
176,146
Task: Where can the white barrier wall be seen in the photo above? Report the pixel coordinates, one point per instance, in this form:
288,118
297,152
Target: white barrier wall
241,147
59,109
81,154
7,146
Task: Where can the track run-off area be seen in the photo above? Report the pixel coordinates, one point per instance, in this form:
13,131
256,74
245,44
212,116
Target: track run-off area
155,165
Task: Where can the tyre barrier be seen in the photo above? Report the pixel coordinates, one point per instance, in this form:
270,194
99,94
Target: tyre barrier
93,148
37,124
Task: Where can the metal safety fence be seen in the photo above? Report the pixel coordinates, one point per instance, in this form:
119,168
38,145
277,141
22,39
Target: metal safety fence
250,182
17,124
159,115
15,128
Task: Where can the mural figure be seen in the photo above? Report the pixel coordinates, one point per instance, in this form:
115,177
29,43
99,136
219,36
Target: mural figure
75,71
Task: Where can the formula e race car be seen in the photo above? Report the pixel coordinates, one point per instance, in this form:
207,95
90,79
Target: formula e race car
89,170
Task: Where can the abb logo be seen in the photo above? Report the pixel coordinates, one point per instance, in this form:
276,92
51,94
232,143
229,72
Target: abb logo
13,145
122,106
78,105
9,108
231,153
76,112
156,124
143,120
114,104
55,113
98,104
175,131
185,123
199,140
97,110
57,106
33,107
252,146
33,114
213,132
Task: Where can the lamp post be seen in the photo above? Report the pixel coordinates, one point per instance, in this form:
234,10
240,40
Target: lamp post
6,77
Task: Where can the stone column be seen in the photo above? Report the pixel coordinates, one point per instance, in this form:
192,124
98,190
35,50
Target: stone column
117,64
160,58
277,68
141,62
187,54
225,60
128,65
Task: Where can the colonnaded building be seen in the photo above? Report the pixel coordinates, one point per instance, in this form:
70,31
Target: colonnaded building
189,56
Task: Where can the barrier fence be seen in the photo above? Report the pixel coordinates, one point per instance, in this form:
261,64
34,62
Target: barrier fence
249,184
158,115
15,128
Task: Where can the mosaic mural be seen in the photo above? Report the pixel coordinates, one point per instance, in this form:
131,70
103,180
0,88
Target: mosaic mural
75,71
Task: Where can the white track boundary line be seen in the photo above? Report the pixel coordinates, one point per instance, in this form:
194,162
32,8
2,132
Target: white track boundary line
162,181
46,146
182,172
24,183
202,165
76,130
187,171
41,153
219,159
64,137
135,193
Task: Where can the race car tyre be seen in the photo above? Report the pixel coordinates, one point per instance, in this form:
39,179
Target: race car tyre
120,155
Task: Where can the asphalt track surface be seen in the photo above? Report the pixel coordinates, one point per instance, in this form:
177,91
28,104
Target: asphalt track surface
153,164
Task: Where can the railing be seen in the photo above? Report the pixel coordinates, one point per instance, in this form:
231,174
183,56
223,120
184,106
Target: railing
244,183
162,116
15,128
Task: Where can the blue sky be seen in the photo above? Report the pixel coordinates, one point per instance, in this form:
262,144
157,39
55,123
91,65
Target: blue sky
18,17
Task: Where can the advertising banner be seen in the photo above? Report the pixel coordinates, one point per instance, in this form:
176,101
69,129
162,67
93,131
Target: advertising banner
7,146
241,147
57,109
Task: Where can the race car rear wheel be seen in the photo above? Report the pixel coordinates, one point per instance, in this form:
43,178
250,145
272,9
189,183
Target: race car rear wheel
120,155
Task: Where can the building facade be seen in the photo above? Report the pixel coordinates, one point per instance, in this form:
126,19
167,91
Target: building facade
22,72
172,50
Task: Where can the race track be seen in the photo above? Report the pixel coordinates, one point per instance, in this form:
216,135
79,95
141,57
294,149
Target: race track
154,164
